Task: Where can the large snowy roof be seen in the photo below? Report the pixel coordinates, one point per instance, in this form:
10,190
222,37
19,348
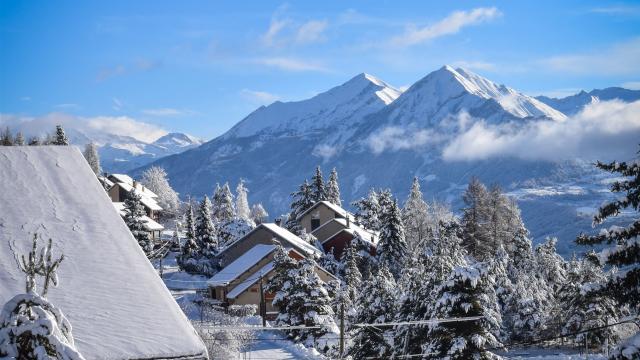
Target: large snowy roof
243,286
241,265
118,306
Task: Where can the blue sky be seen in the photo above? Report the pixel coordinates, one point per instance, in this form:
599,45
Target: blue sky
201,66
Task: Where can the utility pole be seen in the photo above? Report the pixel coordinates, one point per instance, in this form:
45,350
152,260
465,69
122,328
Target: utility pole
342,329
263,305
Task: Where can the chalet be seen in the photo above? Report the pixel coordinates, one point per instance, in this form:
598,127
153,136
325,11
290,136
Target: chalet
123,185
118,306
334,227
265,233
240,282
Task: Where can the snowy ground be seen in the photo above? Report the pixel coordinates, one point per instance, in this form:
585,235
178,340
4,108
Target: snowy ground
270,344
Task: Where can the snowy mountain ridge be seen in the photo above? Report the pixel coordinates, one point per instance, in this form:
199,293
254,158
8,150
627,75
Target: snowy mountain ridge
378,142
573,104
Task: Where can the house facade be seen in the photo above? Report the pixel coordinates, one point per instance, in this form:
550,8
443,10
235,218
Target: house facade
334,227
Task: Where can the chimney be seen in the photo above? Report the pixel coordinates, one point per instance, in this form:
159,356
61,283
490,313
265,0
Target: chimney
348,221
135,184
278,221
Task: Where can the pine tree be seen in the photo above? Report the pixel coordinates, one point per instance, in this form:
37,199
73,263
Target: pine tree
258,213
376,305
582,309
134,213
333,189
223,207
91,155
190,248
476,239
302,200
368,211
385,200
318,188
352,276
309,303
205,233
415,217
6,138
60,137
623,284
242,204
465,294
34,141
280,284
155,178
392,247
19,140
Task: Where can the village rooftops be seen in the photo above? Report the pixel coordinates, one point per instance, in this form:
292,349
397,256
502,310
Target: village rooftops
116,303
241,265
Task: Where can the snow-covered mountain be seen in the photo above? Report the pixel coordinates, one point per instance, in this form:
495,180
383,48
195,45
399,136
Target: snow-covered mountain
573,104
377,136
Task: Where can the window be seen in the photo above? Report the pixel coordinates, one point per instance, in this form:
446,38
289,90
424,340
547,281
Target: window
315,223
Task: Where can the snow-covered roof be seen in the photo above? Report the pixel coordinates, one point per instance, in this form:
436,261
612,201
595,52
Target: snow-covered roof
149,223
328,204
241,265
117,304
243,286
366,234
146,197
127,183
291,237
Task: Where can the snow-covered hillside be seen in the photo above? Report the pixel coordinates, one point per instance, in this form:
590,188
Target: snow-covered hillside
383,141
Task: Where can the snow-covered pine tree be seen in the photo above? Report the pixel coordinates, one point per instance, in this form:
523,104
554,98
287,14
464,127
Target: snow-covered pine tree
415,218
302,200
318,188
34,141
368,211
258,213
333,189
551,266
467,293
280,284
189,251
31,327
226,209
242,203
624,283
60,137
91,155
385,200
19,140
582,309
155,178
442,253
309,304
205,231
329,262
476,236
134,212
376,304
351,274
392,247
6,138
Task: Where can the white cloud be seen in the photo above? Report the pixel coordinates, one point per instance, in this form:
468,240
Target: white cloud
395,138
124,125
94,127
619,59
291,64
311,32
325,151
167,112
450,25
275,27
604,131
259,97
